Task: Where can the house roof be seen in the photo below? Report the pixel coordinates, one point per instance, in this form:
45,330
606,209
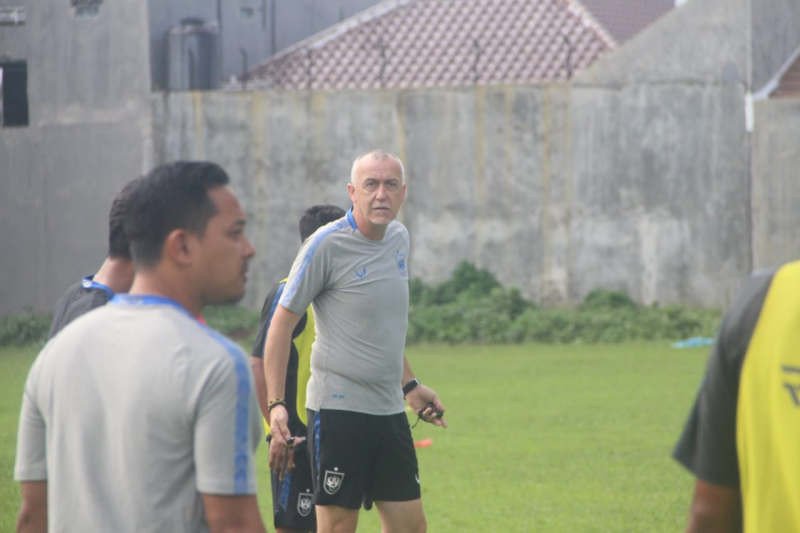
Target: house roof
624,18
789,83
429,43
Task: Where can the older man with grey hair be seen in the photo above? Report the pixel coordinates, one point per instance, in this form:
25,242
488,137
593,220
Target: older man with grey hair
355,273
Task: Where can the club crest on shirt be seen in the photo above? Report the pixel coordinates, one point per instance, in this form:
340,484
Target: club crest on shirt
305,503
361,272
332,481
400,257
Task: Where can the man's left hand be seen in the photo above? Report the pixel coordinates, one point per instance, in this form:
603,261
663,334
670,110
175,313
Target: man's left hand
424,401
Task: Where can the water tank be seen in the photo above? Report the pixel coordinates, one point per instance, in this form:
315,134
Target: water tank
193,55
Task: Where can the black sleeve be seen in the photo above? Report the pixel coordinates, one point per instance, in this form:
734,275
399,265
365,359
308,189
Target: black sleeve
267,310
707,446
74,303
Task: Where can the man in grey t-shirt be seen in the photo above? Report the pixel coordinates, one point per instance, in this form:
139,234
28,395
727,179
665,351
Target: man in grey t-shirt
137,417
355,273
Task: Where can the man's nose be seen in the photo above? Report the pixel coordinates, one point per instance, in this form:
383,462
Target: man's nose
249,249
382,191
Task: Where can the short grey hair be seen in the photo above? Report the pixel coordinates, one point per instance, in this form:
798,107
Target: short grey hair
377,154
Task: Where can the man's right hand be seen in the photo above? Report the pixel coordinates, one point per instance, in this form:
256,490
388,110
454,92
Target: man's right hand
280,452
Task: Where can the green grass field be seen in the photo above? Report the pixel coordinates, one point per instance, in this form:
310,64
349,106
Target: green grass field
542,437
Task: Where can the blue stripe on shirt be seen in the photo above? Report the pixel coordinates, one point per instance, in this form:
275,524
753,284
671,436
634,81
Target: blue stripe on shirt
317,238
274,304
241,455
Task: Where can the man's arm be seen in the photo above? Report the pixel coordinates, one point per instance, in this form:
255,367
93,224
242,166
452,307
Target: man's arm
715,509
276,351
226,514
257,354
423,398
257,366
33,512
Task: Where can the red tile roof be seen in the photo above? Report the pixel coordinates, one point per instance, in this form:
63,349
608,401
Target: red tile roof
429,43
625,18
789,84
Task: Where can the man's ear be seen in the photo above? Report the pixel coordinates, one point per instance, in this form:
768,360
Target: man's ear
179,247
351,189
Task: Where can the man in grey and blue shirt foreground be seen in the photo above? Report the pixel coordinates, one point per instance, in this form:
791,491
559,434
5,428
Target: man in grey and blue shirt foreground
355,274
136,417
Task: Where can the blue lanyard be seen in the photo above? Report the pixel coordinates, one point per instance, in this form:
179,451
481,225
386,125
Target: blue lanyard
148,299
89,283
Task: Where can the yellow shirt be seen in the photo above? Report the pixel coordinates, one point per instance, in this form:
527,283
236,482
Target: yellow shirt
768,411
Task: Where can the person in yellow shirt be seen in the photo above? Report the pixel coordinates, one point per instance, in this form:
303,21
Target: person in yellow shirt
292,495
741,439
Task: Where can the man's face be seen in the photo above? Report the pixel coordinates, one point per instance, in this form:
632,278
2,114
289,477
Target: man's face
223,251
377,193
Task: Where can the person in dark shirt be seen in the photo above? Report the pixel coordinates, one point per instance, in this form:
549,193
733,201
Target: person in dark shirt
740,439
292,497
115,274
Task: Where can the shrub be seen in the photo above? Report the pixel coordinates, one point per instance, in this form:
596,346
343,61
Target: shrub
236,322
24,328
473,307
28,327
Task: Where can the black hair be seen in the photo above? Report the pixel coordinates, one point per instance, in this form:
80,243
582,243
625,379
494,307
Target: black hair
317,216
118,245
171,196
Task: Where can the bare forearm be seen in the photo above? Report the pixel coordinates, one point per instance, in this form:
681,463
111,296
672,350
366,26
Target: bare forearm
276,351
33,512
257,365
408,373
715,509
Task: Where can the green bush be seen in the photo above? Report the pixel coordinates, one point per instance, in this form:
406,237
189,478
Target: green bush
236,322
472,307
28,327
24,328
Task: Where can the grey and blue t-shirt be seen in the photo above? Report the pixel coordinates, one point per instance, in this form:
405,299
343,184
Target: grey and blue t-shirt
133,411
359,290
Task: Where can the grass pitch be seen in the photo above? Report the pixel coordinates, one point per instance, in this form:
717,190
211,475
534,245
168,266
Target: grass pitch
541,438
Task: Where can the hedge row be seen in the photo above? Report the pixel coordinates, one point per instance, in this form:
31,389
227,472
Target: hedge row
472,307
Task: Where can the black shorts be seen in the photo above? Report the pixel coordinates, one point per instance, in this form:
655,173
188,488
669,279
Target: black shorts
293,497
356,457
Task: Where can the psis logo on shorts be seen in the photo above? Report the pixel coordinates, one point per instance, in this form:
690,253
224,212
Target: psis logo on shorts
305,503
332,481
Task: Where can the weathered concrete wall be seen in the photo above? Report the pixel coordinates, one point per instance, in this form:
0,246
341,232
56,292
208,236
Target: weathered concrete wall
635,176
89,125
776,187
775,37
556,191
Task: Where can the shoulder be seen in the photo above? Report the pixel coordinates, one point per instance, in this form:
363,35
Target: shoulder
327,236
742,315
273,296
208,343
396,232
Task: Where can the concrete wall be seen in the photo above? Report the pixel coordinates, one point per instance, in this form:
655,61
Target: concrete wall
775,37
776,187
556,191
89,121
636,176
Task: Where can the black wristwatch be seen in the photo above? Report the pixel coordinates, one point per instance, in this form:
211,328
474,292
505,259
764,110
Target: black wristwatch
412,384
